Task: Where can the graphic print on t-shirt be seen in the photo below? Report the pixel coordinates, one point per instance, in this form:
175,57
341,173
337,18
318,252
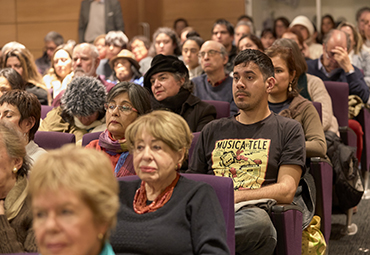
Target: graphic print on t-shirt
243,160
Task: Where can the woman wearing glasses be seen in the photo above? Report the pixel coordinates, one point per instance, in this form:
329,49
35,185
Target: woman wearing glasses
125,102
168,81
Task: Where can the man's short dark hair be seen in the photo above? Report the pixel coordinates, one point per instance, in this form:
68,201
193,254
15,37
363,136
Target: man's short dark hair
54,37
245,17
229,26
257,57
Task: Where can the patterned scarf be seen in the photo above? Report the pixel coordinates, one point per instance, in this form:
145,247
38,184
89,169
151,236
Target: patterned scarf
114,147
140,199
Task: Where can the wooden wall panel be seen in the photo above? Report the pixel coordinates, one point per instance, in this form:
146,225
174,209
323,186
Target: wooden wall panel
7,11
8,34
47,10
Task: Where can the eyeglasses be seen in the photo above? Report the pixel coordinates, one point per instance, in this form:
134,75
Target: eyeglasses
329,54
122,108
210,53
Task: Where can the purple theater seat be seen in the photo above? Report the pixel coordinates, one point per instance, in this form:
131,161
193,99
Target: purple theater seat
44,110
53,140
193,143
224,189
222,108
87,138
322,172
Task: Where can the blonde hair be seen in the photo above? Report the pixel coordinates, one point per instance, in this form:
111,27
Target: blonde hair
166,126
85,171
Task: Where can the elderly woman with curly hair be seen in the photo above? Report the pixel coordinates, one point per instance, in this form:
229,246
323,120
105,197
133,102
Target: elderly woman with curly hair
16,233
163,211
74,198
82,109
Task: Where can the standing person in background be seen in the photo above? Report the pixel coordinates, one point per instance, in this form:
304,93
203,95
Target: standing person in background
99,17
52,40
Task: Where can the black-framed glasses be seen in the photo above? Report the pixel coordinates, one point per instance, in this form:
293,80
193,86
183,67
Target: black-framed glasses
122,108
210,53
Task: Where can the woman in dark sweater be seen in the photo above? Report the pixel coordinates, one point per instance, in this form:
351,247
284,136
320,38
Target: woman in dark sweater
165,213
168,82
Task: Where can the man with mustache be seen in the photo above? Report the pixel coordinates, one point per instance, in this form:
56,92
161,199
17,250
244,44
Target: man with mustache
262,152
85,61
215,83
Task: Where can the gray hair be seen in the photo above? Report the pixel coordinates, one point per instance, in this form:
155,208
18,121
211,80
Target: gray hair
137,94
188,84
94,53
117,38
245,23
54,37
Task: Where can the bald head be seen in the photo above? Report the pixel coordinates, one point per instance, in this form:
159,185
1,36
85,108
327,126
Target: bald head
337,38
213,57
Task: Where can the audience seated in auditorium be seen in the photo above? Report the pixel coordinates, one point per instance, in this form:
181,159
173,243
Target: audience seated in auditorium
125,68
179,24
81,111
125,103
139,45
21,60
307,30
327,24
295,34
250,42
170,87
215,83
223,32
358,55
16,233
74,198
185,32
165,42
242,28
267,38
52,40
99,43
190,55
115,41
9,80
311,87
23,110
61,66
361,15
173,206
335,65
85,60
285,100
281,24
262,152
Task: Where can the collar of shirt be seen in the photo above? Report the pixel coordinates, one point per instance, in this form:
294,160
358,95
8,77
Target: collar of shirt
323,70
217,83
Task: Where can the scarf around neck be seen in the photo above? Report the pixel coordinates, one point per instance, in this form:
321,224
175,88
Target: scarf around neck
140,199
173,103
16,198
112,146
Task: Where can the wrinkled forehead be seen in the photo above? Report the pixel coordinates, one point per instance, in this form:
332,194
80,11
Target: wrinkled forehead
211,45
82,51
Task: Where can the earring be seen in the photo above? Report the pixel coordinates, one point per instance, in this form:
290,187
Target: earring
290,87
100,236
178,166
15,170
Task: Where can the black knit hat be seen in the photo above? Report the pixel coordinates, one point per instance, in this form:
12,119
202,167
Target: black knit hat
84,96
162,63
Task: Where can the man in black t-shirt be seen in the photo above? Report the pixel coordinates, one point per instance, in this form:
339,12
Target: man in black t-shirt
262,152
